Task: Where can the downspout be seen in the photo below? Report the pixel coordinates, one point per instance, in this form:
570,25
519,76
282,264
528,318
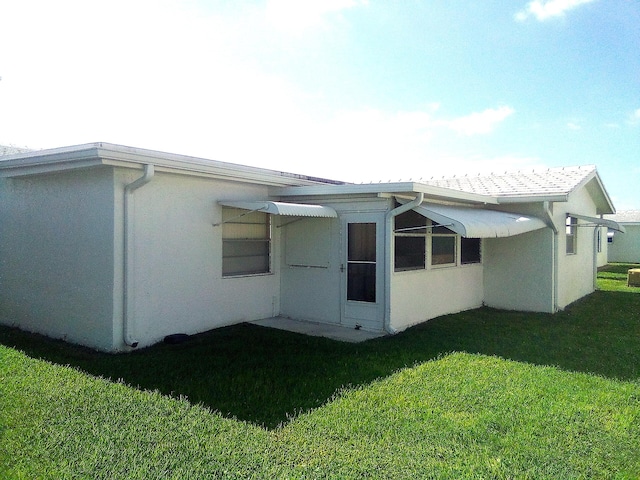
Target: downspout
388,234
596,229
149,171
548,207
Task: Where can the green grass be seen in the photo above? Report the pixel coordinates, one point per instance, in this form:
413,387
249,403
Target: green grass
613,277
528,396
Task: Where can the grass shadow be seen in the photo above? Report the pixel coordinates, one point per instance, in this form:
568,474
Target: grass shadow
264,376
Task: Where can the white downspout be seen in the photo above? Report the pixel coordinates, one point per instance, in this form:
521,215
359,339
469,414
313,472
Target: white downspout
149,171
548,207
388,234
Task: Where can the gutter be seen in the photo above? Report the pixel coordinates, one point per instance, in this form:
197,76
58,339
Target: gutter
388,234
149,172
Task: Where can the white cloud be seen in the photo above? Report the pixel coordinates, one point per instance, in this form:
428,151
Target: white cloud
296,16
546,9
479,122
573,126
634,117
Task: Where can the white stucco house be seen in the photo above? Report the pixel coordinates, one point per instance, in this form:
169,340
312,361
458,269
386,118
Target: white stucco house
115,247
625,247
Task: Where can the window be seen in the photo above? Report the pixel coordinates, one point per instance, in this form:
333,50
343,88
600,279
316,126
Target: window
571,227
443,246
470,251
361,262
410,241
246,242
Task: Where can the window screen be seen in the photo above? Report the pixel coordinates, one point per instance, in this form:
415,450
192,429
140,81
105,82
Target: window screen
246,242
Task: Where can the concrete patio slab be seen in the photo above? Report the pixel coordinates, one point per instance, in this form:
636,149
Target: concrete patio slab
334,332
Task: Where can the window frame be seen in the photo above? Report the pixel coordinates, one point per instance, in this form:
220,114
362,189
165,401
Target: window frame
439,232
244,239
571,235
464,240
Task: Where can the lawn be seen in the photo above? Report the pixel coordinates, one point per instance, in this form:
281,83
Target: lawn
524,396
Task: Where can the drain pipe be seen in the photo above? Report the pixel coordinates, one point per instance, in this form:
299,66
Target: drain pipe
388,237
149,172
548,211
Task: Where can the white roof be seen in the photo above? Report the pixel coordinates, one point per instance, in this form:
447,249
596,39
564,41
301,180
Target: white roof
478,222
552,181
283,208
626,216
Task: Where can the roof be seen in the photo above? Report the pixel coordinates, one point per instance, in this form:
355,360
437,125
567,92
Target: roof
552,184
100,153
626,216
12,150
552,181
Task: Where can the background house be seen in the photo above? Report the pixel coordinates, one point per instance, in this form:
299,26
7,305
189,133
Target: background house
625,247
115,247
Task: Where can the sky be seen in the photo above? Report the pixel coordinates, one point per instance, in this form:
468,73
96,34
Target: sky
354,90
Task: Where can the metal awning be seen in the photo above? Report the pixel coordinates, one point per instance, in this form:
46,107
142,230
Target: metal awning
282,208
599,221
478,222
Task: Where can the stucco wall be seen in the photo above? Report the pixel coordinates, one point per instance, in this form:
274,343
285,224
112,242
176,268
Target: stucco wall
419,295
311,270
625,247
176,259
518,271
576,272
56,255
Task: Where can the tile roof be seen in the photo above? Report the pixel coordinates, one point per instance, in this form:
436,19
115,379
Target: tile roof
10,150
626,216
552,181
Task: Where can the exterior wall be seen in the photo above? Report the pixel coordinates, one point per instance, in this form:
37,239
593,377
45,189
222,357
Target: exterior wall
56,255
576,272
311,270
419,295
603,254
176,259
625,247
313,282
518,272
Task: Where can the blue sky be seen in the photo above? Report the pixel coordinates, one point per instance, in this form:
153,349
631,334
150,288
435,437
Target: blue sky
350,89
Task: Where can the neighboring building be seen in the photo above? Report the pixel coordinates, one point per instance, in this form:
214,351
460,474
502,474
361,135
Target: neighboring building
625,247
116,247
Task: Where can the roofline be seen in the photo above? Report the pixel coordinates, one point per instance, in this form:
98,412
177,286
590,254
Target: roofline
400,188
100,153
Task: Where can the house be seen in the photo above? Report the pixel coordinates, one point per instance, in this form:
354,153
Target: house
116,247
625,248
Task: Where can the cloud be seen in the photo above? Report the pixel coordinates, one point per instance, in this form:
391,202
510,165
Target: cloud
573,126
478,122
634,117
296,16
546,9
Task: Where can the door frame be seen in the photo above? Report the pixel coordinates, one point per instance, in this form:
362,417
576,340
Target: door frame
360,314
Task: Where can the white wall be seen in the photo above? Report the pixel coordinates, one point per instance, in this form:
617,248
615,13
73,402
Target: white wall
419,295
576,272
56,255
625,246
603,254
176,257
311,270
518,271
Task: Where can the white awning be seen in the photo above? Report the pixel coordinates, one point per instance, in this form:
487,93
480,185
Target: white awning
282,208
478,222
600,221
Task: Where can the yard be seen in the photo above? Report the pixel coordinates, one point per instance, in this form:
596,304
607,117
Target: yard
480,394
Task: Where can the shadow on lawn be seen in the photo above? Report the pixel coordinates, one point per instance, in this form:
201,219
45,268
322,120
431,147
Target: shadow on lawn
264,376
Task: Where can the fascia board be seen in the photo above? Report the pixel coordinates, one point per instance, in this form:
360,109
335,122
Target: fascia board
385,188
503,200
87,155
